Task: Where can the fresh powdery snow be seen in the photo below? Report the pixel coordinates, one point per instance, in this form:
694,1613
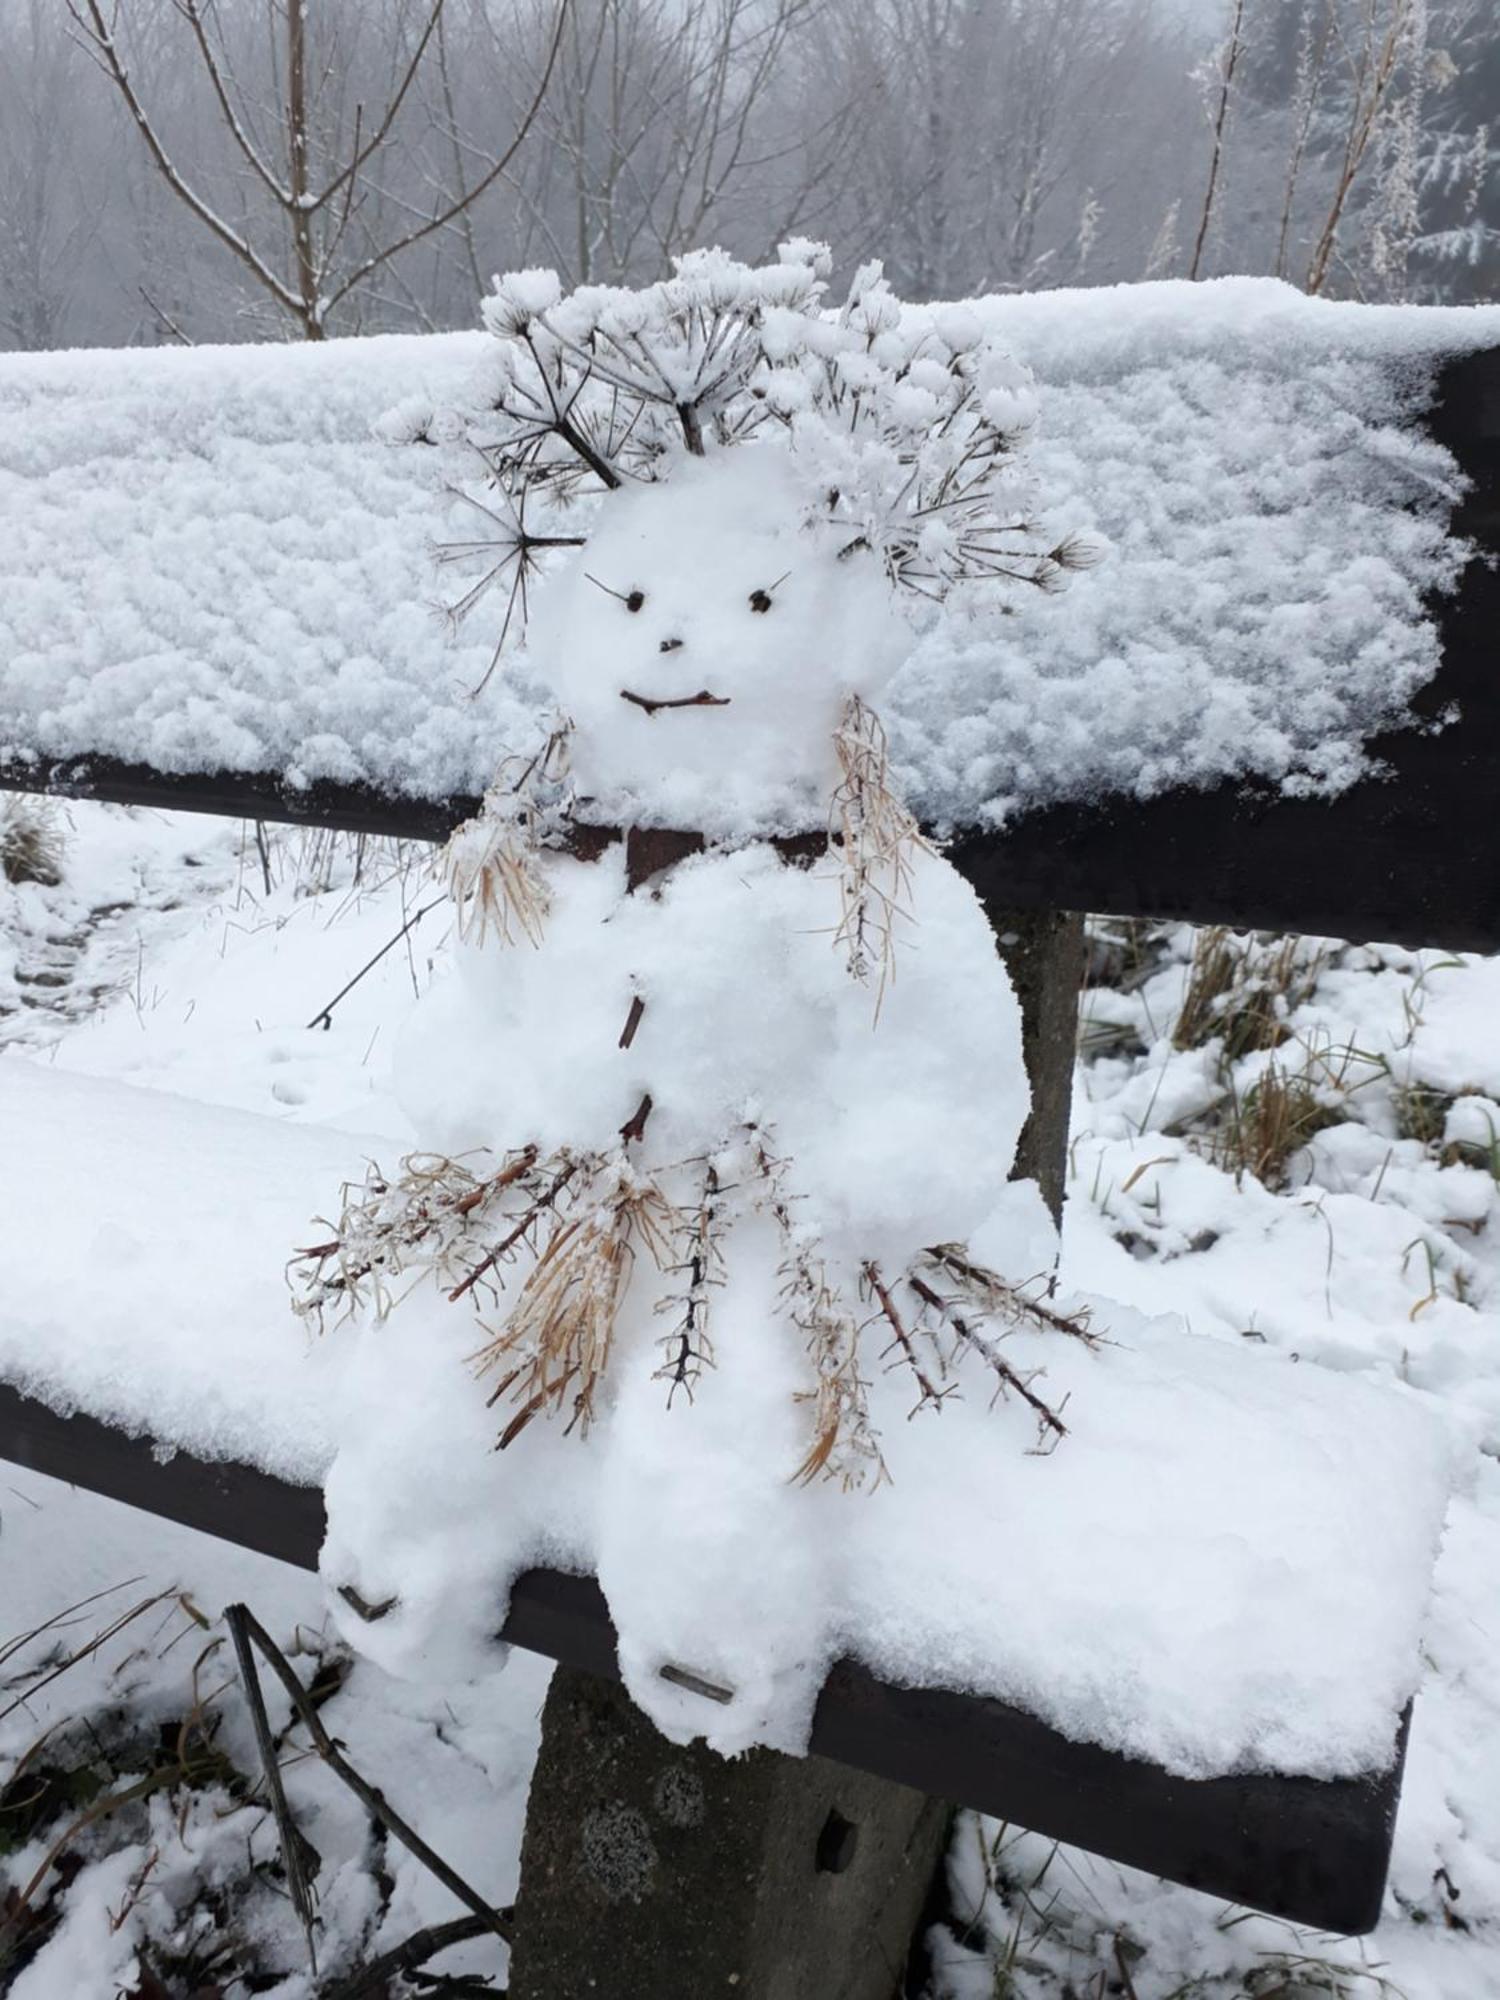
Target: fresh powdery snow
1252,1621
208,559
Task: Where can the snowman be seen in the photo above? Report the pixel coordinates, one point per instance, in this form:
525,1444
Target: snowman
721,1083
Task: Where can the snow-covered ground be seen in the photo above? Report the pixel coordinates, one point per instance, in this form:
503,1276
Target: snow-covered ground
171,958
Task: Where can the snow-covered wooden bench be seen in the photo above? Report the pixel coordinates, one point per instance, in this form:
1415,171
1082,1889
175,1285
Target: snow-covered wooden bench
210,585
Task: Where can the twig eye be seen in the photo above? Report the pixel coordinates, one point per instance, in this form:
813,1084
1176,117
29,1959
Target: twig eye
632,599
762,600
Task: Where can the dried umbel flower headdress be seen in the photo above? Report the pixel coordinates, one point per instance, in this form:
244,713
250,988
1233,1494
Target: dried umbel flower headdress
906,426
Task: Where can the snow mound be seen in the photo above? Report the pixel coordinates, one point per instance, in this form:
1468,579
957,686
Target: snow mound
207,558
1224,1566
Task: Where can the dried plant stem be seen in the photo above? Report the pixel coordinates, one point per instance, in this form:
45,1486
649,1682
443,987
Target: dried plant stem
689,1348
876,839
373,1981
1233,50
423,1218
931,1394
374,1801
1047,1418
508,1242
1015,1305
294,1846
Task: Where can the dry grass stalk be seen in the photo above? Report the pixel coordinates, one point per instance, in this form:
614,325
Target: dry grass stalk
876,839
844,1445
559,1335
1277,1116
1244,990
491,865
425,1219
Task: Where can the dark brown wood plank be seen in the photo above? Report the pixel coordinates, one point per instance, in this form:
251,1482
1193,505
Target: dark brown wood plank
264,795
1312,1852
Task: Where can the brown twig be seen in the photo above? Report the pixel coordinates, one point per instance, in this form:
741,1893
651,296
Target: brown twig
513,1237
702,699
991,1284
632,1021
374,1801
634,1128
375,1978
930,1391
1046,1416
295,1847
324,1016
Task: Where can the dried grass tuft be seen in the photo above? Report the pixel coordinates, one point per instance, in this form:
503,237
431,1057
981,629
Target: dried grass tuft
492,863
32,844
559,1335
1243,989
1274,1119
876,839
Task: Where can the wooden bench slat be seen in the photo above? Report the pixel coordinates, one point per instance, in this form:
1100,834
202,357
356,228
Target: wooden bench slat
1311,1851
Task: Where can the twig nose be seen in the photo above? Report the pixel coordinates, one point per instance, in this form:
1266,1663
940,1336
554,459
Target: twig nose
671,645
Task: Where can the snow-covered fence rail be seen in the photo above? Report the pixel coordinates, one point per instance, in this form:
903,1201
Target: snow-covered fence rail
1310,1849
1400,847
214,594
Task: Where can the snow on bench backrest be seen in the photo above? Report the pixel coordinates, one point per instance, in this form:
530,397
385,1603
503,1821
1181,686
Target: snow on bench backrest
216,585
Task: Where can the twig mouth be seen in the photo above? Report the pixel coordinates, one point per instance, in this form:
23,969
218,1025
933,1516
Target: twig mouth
702,699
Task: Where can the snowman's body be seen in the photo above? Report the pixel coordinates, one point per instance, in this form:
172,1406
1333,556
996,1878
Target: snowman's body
672,1015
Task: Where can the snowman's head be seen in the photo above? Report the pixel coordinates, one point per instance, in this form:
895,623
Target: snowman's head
705,643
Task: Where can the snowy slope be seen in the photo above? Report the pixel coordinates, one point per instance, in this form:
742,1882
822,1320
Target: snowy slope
207,560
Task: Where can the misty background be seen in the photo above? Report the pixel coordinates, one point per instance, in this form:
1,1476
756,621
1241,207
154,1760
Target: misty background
201,170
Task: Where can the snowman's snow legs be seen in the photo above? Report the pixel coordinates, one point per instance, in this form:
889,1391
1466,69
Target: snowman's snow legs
651,1872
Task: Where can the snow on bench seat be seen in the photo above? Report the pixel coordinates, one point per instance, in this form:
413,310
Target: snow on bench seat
1224,1567
209,562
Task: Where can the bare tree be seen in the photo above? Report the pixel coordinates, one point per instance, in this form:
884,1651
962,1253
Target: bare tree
47,225
668,123
998,133
308,164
